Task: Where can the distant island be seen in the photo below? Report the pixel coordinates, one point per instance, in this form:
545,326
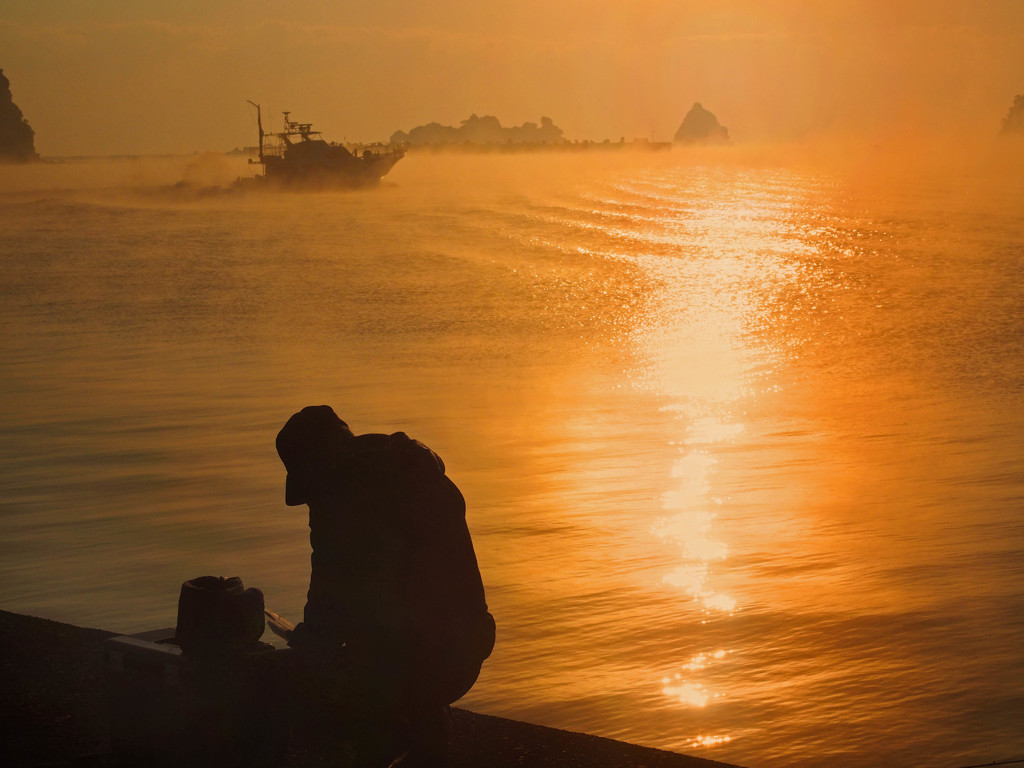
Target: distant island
701,127
1013,123
480,130
487,134
17,139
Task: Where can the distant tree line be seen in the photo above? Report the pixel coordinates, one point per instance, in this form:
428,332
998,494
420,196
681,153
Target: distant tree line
480,130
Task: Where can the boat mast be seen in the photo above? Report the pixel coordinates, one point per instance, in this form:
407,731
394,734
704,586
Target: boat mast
259,124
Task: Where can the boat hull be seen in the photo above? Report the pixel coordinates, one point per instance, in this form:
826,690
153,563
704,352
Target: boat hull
354,172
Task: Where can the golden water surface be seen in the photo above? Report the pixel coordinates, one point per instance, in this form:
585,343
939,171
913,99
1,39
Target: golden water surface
741,440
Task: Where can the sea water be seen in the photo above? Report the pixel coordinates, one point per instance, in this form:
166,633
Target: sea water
741,440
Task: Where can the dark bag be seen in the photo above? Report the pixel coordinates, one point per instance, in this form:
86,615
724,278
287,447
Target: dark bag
218,615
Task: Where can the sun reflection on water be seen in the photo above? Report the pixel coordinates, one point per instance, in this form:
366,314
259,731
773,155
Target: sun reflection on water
688,525
690,694
709,741
687,692
697,341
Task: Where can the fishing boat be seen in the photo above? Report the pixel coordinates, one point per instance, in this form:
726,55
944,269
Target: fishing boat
299,157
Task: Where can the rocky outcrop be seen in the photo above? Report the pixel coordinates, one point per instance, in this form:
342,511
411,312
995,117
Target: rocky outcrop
16,135
480,130
701,127
1013,123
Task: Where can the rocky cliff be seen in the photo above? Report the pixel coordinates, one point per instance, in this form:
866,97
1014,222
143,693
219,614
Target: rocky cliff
701,127
16,135
1013,123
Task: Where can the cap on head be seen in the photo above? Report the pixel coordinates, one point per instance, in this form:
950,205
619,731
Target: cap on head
305,444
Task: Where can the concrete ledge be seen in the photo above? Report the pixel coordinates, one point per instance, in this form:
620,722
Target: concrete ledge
53,713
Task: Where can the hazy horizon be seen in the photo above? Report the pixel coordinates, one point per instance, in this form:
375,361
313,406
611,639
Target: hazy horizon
157,77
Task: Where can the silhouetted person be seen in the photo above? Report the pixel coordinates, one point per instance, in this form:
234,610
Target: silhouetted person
396,625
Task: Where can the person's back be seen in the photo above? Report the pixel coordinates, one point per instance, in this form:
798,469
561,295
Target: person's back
395,591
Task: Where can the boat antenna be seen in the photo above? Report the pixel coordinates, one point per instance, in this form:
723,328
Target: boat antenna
259,124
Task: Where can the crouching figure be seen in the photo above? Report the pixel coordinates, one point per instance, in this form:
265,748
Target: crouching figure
396,624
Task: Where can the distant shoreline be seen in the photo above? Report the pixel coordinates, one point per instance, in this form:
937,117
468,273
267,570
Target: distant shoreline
569,146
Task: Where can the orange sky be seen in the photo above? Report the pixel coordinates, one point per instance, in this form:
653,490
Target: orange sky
166,76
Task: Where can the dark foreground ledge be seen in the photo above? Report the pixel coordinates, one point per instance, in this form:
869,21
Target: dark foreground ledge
53,713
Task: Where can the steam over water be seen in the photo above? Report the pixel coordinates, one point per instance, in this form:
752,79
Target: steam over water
742,444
